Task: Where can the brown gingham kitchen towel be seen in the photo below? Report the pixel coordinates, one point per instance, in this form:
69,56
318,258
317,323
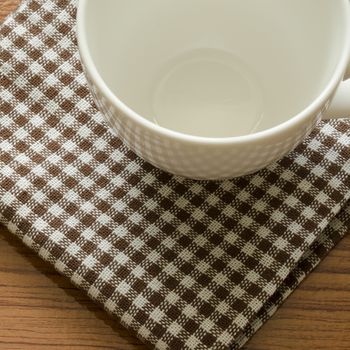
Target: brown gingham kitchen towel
182,264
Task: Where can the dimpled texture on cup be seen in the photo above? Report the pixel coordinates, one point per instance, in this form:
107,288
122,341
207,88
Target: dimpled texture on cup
198,161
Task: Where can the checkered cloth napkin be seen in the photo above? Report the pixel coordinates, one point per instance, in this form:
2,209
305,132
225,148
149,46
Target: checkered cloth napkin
182,264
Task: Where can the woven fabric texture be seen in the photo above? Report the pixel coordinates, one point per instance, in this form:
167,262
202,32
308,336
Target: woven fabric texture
182,264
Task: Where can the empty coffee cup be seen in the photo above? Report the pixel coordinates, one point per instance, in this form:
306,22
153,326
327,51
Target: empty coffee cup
214,89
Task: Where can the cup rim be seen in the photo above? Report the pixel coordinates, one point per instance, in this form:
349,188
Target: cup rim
312,108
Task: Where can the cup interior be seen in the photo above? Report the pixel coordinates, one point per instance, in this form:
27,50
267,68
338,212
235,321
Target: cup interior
215,68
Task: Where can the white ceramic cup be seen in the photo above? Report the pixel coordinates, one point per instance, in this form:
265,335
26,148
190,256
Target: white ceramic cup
215,89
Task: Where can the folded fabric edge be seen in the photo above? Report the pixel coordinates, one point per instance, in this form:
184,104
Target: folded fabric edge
337,229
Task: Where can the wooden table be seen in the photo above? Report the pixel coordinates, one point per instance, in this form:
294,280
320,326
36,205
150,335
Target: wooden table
39,309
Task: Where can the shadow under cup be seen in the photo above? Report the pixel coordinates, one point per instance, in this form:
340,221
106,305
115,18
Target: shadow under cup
218,68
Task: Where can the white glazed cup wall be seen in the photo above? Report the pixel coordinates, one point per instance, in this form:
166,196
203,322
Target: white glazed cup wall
199,159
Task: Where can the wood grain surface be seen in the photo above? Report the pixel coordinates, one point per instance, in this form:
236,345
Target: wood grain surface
39,309
6,6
